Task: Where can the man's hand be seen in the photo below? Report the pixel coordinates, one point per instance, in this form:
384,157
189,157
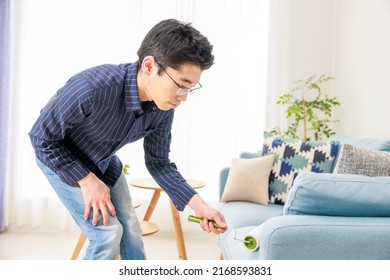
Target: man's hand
96,196
203,210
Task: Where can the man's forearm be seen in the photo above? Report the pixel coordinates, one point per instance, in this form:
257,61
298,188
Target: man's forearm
196,203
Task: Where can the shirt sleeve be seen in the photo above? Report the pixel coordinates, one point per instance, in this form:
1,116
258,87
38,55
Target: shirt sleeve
69,106
164,172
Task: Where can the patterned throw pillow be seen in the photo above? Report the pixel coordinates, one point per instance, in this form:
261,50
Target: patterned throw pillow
293,157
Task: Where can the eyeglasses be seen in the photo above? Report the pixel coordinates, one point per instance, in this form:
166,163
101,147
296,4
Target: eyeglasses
182,90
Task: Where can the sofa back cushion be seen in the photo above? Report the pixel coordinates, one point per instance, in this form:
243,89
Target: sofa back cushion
367,143
339,195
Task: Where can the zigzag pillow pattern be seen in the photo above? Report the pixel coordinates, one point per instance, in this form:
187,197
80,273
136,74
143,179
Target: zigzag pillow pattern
294,156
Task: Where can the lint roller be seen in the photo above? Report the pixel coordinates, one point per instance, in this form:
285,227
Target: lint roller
250,241
254,236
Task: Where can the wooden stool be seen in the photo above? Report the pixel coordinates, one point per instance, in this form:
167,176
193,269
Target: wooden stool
83,237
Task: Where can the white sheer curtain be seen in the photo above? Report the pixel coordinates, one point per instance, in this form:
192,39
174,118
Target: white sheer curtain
5,69
56,39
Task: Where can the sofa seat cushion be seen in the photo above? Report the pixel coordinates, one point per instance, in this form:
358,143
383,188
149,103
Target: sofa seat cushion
243,213
339,195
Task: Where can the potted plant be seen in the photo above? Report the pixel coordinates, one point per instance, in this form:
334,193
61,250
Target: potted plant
309,110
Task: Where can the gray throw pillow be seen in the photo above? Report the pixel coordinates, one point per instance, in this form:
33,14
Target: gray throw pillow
359,161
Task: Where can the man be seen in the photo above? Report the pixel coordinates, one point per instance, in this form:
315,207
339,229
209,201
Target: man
101,109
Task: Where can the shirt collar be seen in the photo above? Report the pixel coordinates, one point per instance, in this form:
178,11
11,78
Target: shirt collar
131,89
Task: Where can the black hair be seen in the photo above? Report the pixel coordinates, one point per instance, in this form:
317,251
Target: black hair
173,43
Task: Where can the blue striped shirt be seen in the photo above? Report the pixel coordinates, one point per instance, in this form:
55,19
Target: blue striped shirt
92,116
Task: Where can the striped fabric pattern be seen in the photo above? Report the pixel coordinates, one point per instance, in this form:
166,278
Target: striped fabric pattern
92,116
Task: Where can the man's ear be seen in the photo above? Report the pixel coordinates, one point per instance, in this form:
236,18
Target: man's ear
148,64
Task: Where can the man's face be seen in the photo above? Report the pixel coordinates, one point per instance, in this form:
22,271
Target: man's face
164,89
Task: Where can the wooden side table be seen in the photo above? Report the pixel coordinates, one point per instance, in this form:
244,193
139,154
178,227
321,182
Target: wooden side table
149,183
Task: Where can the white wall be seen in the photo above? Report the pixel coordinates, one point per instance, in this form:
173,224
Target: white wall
363,67
347,39
302,37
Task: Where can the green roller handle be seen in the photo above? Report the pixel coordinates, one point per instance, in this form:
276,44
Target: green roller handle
249,241
195,219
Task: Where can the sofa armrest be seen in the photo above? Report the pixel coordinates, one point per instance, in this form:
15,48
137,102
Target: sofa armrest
325,237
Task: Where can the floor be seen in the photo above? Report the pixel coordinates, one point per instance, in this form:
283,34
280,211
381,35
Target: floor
59,246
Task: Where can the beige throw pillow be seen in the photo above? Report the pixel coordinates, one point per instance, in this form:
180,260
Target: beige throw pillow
248,180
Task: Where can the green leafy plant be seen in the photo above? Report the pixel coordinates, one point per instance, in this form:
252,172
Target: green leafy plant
309,111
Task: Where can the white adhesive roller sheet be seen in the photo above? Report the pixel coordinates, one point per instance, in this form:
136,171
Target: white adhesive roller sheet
253,238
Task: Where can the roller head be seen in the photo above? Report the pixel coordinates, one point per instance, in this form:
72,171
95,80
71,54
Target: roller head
251,243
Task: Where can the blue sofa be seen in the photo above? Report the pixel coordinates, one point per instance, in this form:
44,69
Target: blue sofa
326,216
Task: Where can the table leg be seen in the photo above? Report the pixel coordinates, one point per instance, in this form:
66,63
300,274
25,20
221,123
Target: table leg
152,205
79,245
179,233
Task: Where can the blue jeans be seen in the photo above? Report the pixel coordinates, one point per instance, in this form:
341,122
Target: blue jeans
123,232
